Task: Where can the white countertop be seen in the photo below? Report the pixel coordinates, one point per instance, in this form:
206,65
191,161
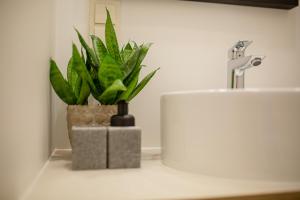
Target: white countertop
152,181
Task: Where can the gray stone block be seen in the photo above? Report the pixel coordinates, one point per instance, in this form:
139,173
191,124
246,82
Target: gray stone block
89,149
124,147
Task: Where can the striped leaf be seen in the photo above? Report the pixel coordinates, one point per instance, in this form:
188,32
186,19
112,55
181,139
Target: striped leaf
109,72
131,62
111,39
80,68
60,85
130,88
142,84
99,48
88,50
72,75
84,93
109,95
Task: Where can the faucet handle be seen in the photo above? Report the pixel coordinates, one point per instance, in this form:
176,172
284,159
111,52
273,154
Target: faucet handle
243,44
238,50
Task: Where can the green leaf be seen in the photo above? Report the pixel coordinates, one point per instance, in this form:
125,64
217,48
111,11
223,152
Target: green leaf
142,84
69,71
126,52
84,93
125,55
72,75
144,50
130,64
110,93
94,75
80,68
135,45
131,76
82,55
111,39
130,88
99,48
89,63
109,72
78,87
128,46
88,50
60,85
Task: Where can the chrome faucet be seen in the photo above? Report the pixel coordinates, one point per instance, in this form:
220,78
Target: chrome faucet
238,63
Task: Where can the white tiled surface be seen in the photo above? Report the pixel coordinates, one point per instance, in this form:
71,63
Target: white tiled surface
152,181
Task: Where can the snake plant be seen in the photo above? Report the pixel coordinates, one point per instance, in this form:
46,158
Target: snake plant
76,89
109,73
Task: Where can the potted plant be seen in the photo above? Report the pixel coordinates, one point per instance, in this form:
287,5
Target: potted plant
107,72
75,92
114,71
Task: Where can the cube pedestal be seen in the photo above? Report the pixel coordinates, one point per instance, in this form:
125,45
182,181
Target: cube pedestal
89,147
124,147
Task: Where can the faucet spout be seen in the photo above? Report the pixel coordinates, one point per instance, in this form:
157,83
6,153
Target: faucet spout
238,63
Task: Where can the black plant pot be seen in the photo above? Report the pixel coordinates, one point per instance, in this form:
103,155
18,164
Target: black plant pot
122,118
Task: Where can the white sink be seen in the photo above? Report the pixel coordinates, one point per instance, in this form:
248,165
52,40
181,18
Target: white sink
241,134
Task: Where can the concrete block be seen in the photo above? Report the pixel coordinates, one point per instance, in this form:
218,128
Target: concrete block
124,147
89,147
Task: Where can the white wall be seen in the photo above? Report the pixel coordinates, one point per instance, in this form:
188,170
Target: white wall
191,40
25,49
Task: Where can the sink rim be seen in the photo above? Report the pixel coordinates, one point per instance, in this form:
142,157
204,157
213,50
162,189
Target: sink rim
248,134
223,90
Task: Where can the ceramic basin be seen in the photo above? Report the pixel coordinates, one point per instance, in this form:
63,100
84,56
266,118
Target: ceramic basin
236,134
